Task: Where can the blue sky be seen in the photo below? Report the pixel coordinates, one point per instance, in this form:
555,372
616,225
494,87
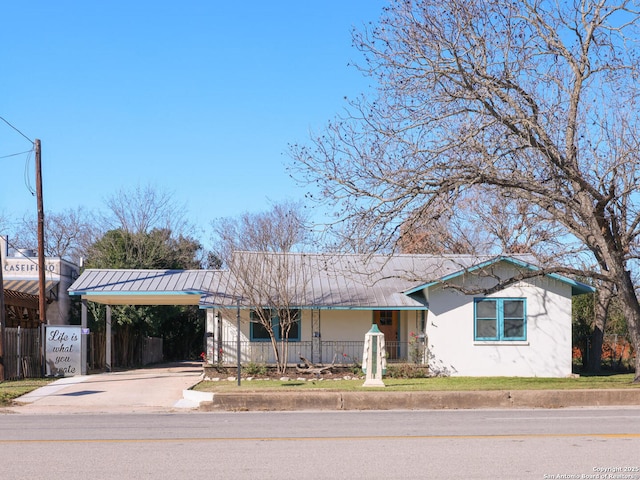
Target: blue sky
197,97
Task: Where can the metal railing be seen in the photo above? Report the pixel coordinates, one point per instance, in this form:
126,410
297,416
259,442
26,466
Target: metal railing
336,352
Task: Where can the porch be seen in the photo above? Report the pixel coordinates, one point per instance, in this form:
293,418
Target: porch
340,353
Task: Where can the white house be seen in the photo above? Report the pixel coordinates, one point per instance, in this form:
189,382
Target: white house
477,316
488,316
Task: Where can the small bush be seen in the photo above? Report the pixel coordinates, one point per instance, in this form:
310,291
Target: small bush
406,370
253,369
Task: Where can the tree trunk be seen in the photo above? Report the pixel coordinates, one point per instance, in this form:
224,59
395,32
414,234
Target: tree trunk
631,310
276,352
285,353
601,312
594,364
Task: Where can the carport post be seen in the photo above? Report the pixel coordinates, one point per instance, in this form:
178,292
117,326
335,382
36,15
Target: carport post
83,337
238,340
107,353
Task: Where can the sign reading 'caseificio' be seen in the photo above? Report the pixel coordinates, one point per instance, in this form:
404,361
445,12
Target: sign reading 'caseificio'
27,267
63,350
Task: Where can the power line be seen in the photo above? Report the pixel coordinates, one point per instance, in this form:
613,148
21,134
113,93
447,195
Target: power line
8,123
27,178
16,154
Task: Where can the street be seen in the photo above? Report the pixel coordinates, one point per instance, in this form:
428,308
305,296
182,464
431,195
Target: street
475,444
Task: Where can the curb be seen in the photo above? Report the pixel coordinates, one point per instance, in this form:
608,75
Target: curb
438,400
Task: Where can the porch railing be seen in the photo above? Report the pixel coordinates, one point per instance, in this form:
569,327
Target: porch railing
337,352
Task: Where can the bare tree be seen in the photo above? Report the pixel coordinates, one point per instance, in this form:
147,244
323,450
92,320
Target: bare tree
68,234
536,99
271,285
254,247
279,229
144,208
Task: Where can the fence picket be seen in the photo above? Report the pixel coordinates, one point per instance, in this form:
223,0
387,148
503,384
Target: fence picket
22,353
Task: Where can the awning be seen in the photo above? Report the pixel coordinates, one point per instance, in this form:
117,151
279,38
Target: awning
24,293
30,287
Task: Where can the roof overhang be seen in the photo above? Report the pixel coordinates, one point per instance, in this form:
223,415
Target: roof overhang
141,298
577,288
141,287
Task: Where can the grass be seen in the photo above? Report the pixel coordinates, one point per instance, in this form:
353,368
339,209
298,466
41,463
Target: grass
428,384
13,389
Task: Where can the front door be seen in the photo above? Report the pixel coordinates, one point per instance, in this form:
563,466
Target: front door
387,321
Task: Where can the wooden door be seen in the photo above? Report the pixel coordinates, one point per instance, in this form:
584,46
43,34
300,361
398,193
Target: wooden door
387,321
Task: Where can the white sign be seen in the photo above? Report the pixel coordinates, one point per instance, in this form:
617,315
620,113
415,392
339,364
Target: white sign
24,267
62,350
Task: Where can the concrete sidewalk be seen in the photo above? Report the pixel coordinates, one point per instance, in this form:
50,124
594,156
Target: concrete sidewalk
156,389
166,388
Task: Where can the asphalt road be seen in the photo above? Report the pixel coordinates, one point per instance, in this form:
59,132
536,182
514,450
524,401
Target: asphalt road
474,444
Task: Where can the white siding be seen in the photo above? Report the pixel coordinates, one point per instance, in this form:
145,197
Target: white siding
545,353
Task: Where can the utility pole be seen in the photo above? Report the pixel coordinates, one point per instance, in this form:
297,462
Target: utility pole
42,304
41,268
2,316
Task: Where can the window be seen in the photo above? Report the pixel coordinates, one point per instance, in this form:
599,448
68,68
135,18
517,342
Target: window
259,332
500,319
386,317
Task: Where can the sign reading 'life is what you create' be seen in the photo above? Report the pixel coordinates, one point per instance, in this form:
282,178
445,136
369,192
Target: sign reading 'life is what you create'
63,346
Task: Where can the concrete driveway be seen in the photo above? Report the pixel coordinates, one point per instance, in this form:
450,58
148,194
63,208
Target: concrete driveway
157,389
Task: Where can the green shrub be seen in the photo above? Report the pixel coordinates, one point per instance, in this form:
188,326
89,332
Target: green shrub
406,370
253,369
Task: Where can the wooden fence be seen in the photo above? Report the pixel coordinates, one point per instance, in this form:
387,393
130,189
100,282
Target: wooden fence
127,351
22,357
22,354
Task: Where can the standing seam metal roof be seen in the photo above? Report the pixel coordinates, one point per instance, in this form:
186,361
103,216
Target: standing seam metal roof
334,280
327,281
139,281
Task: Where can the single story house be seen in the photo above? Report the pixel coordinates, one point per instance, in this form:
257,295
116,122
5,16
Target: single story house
460,314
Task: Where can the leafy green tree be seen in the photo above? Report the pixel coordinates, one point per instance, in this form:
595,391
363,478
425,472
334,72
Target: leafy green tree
181,327
156,249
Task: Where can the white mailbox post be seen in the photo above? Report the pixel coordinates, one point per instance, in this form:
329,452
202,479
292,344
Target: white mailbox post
374,357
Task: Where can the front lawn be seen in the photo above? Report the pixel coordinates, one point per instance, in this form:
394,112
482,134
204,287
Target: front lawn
427,384
13,389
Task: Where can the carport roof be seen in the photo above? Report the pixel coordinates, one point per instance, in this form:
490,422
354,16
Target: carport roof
326,281
141,287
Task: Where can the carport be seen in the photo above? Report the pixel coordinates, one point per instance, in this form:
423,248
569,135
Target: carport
136,287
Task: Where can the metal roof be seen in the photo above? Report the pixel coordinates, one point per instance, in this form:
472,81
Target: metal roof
347,281
296,280
141,287
521,261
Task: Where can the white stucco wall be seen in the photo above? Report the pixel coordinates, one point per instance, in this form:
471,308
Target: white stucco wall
345,325
546,352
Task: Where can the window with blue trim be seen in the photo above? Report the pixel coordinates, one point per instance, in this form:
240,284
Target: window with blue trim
500,319
260,333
